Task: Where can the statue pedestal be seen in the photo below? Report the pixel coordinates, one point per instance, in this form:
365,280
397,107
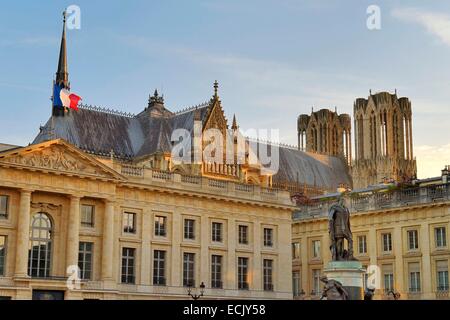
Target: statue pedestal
350,274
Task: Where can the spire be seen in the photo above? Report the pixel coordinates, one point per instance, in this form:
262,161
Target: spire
62,75
234,125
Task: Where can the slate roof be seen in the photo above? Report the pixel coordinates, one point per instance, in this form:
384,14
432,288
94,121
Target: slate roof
134,136
311,168
4,147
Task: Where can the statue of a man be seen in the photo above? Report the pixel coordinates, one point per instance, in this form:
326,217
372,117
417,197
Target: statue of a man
333,290
339,229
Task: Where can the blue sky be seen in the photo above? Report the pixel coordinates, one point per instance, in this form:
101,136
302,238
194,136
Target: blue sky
273,59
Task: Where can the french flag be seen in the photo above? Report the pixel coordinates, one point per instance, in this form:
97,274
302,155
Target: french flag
63,98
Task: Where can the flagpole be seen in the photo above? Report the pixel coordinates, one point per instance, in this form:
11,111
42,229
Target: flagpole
52,124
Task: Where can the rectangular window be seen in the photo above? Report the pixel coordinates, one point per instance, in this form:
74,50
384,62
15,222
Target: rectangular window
160,226
216,271
159,267
243,234
316,282
2,255
296,250
243,273
216,232
268,237
387,242
4,206
440,237
85,260
87,215
413,239
362,244
316,248
188,269
267,273
414,277
296,284
128,265
442,275
129,222
189,229
388,277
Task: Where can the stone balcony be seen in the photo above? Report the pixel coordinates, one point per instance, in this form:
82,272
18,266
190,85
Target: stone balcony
211,186
382,199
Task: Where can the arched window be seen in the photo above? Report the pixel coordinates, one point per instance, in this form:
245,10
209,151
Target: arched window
40,252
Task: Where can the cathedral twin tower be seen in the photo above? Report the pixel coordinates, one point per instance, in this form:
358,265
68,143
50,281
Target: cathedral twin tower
383,138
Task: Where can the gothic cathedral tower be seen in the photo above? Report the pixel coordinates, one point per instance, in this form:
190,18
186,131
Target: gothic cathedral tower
383,140
325,132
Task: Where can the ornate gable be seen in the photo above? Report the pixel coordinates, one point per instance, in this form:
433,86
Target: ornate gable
58,156
215,117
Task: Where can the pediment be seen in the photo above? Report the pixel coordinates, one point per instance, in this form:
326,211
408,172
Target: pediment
216,117
58,156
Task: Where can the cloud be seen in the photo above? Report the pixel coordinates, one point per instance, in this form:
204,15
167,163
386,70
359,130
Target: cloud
431,159
437,24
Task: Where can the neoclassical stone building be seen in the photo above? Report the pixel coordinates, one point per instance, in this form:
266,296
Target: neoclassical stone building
400,234
135,233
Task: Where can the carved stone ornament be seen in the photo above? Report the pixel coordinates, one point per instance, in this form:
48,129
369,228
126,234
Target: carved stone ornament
44,206
53,158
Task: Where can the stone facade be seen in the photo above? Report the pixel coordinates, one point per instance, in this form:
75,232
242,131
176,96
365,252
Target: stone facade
56,180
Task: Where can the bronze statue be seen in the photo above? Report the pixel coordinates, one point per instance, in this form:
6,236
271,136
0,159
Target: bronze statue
339,229
333,290
369,293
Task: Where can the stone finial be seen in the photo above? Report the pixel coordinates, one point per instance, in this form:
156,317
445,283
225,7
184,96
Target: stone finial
216,87
234,125
156,99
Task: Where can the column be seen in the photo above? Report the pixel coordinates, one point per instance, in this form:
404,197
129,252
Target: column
304,277
426,272
175,266
406,138
204,251
372,245
398,252
349,147
283,279
355,121
410,139
230,279
146,252
73,232
23,233
256,282
108,241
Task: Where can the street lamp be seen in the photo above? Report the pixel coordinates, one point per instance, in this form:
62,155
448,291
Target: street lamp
196,296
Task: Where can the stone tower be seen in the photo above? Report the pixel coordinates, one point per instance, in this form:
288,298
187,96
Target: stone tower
325,132
383,140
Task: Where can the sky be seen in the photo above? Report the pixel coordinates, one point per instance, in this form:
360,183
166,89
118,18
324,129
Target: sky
273,59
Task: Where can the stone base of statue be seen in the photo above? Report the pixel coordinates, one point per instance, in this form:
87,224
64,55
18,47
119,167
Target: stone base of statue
350,274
